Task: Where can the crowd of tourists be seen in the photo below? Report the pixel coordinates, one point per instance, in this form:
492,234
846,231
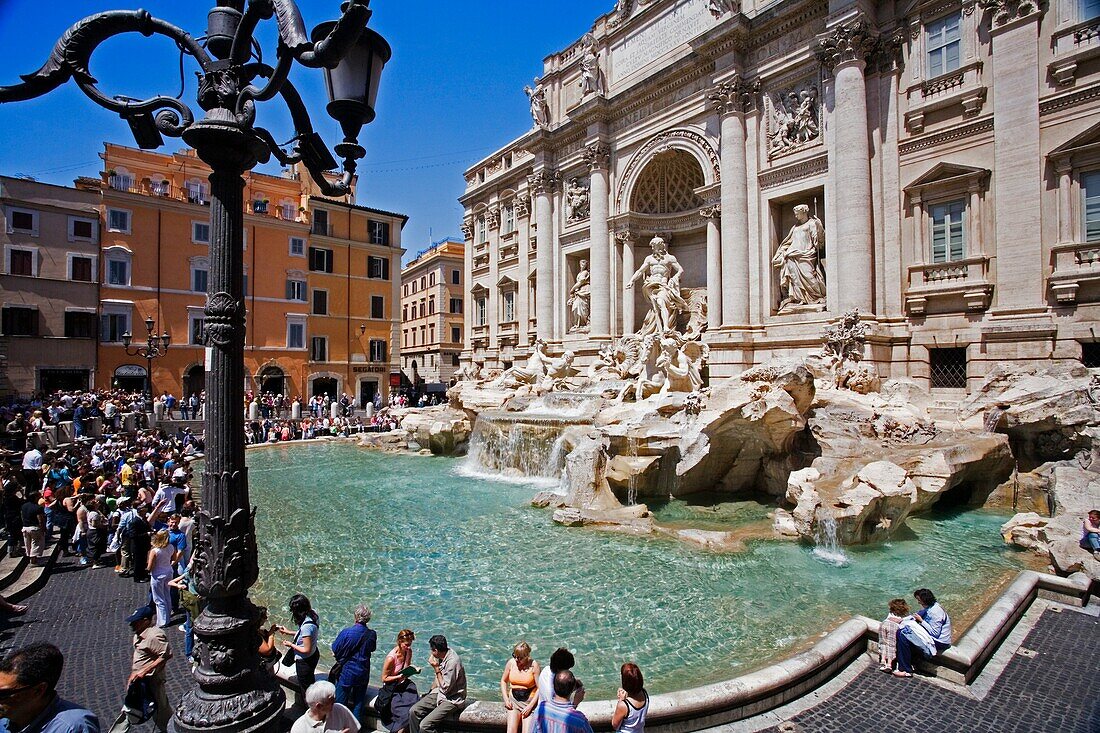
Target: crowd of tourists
37,412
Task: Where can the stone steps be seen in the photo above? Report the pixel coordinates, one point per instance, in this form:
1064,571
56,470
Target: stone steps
20,580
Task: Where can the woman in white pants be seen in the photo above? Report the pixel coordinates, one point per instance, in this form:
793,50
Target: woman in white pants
161,557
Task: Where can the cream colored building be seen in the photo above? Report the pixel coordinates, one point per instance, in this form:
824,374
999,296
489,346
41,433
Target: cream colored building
432,305
951,151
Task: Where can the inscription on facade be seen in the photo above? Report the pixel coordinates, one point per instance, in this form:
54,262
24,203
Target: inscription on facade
683,23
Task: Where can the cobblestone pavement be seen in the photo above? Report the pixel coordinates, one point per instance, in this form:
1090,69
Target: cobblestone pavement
1052,684
83,612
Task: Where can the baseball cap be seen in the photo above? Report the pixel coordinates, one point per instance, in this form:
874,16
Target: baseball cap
145,612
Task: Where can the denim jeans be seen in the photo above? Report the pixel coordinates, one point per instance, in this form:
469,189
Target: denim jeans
1091,541
353,697
189,634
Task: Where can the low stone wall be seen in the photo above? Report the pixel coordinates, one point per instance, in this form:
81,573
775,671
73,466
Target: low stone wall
780,683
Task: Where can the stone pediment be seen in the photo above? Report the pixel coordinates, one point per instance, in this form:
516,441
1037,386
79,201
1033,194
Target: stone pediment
1087,142
948,175
506,282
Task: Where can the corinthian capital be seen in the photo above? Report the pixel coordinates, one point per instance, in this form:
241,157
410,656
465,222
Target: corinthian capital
714,211
468,229
543,181
853,41
736,95
596,155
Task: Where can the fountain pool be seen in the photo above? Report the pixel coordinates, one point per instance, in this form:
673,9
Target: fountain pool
439,552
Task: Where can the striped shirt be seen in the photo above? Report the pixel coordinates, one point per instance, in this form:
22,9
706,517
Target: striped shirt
553,716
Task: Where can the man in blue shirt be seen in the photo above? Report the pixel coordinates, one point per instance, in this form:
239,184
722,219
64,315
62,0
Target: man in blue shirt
29,702
558,715
352,648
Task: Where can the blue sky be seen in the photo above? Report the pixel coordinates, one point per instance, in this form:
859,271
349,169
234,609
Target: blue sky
452,93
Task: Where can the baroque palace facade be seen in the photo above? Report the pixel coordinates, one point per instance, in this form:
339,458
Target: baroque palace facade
934,165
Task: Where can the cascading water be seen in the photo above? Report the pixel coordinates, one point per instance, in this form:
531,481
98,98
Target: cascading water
516,450
827,547
632,481
992,418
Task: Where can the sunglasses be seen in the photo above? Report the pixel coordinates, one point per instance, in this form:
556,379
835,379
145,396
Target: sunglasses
6,693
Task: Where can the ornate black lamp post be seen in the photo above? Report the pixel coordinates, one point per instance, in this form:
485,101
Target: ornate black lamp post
234,693
154,348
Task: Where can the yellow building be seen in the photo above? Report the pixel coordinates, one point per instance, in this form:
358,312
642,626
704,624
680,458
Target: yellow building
300,248
432,307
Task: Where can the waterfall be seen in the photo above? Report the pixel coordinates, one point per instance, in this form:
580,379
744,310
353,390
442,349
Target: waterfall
632,481
516,451
827,547
992,418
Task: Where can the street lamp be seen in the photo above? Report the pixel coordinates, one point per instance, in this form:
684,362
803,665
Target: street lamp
154,348
235,693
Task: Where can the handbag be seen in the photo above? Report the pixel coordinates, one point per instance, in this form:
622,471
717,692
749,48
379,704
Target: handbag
384,700
139,701
288,657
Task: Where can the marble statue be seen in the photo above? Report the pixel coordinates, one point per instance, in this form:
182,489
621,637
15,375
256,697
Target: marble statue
558,370
469,372
794,120
660,275
531,373
590,81
718,8
579,300
540,110
576,200
801,278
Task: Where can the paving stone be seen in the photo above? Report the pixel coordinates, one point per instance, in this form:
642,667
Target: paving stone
1056,690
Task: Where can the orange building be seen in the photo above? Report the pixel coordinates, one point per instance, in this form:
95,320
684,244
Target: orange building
432,293
155,259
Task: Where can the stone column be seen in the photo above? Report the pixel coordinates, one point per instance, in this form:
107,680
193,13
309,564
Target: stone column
733,268
626,239
596,156
1065,202
713,216
543,182
844,51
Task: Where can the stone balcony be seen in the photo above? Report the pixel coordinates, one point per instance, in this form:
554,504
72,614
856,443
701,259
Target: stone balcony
1075,264
962,87
481,264
1073,46
509,254
964,281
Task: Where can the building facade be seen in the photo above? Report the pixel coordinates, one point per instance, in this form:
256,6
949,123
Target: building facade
933,165
432,314
48,287
307,290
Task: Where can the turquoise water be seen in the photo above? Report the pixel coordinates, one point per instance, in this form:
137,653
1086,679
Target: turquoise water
437,552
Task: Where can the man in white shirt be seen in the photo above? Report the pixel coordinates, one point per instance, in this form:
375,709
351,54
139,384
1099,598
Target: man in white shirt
324,714
32,469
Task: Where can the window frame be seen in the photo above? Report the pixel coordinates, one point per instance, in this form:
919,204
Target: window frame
121,256
93,261
1084,177
12,229
930,50
195,224
94,322
35,320
313,293
196,271
313,343
382,345
301,285
383,267
378,232
10,249
296,321
948,203
290,246
380,300
194,317
129,220
115,310
93,238
329,260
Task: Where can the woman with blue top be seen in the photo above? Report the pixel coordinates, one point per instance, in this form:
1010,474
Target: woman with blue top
351,673
306,651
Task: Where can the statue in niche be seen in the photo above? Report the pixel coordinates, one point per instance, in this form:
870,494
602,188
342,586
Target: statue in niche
590,82
794,120
540,110
576,200
801,279
579,300
660,275
531,373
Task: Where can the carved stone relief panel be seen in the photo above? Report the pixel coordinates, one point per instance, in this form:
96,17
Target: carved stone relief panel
793,117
